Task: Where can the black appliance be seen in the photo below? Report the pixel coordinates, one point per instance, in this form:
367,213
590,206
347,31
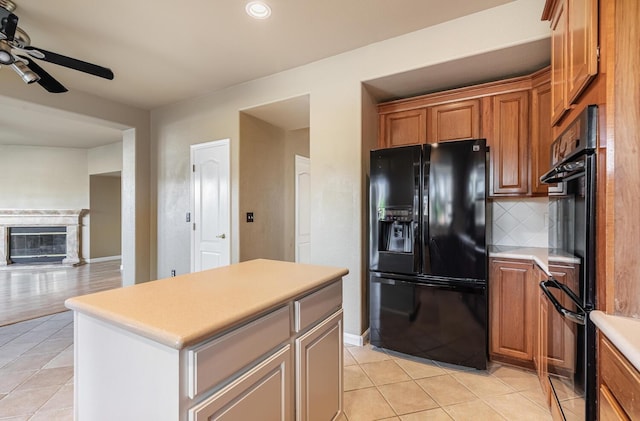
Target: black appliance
571,340
428,254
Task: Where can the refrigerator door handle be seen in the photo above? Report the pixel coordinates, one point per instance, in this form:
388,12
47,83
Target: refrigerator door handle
577,318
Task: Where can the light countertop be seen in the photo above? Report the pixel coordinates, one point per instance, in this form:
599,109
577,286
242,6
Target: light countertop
540,255
186,309
623,332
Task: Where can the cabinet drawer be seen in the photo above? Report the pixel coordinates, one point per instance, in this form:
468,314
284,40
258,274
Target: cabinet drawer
621,378
263,390
321,303
212,362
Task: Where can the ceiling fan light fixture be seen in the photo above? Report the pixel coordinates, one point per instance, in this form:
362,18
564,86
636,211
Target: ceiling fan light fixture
258,10
24,72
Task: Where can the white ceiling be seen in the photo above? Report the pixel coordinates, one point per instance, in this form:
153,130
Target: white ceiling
162,52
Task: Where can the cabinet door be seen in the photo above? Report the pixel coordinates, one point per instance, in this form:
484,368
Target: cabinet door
543,332
455,121
582,42
561,346
267,387
403,128
541,136
319,371
509,165
511,312
559,25
608,407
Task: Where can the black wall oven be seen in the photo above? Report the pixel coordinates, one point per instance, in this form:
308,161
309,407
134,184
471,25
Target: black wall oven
570,343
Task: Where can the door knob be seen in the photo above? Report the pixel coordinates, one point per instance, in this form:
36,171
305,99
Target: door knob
221,236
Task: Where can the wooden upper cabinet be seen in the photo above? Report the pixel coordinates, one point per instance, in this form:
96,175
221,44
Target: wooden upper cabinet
559,103
541,136
403,128
574,50
454,121
582,51
509,145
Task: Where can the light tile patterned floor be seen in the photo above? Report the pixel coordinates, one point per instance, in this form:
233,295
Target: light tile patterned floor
384,385
36,369
36,382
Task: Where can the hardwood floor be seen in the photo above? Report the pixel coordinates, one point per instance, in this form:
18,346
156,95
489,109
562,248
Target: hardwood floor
29,293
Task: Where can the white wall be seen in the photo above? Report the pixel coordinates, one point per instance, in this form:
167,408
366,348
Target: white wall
105,159
43,178
336,135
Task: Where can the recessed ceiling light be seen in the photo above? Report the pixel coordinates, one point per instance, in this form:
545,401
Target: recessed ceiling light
258,10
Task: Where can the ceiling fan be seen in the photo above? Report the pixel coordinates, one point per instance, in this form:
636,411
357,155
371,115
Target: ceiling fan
16,52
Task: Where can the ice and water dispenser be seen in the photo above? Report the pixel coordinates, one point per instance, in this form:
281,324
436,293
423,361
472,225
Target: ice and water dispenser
397,239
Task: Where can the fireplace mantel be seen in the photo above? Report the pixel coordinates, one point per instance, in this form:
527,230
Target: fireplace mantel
43,217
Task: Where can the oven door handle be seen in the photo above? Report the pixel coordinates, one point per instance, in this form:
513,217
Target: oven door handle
578,318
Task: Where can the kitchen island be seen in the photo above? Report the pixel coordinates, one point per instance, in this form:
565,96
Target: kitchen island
255,339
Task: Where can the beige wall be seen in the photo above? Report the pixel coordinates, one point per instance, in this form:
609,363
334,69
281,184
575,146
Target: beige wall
105,227
261,163
337,137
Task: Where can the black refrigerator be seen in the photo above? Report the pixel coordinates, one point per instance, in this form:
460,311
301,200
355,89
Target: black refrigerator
428,253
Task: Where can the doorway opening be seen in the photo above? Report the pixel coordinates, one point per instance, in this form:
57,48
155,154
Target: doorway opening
271,136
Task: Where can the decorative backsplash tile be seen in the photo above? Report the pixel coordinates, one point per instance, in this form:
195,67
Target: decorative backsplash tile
520,223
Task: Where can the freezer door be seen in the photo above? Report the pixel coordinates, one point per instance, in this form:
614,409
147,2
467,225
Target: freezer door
454,210
394,200
442,322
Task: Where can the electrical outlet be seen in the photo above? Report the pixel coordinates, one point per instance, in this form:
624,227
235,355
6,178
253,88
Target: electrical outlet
173,273
188,217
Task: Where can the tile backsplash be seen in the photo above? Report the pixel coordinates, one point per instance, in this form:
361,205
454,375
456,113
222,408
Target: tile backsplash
520,222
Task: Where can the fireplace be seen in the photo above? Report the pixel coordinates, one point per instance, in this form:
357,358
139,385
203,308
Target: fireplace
37,244
40,236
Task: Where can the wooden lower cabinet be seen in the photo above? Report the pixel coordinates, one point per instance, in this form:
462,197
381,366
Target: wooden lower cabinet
512,316
561,348
540,359
619,384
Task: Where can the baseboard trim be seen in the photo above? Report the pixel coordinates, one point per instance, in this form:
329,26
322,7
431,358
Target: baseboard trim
103,259
357,340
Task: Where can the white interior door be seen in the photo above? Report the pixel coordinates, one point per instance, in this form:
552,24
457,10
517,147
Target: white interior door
303,210
210,201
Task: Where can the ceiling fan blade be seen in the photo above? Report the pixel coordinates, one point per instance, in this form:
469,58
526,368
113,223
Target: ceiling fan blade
9,26
47,81
73,63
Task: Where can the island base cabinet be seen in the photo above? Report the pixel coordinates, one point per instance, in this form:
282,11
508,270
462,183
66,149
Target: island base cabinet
118,373
319,371
261,393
